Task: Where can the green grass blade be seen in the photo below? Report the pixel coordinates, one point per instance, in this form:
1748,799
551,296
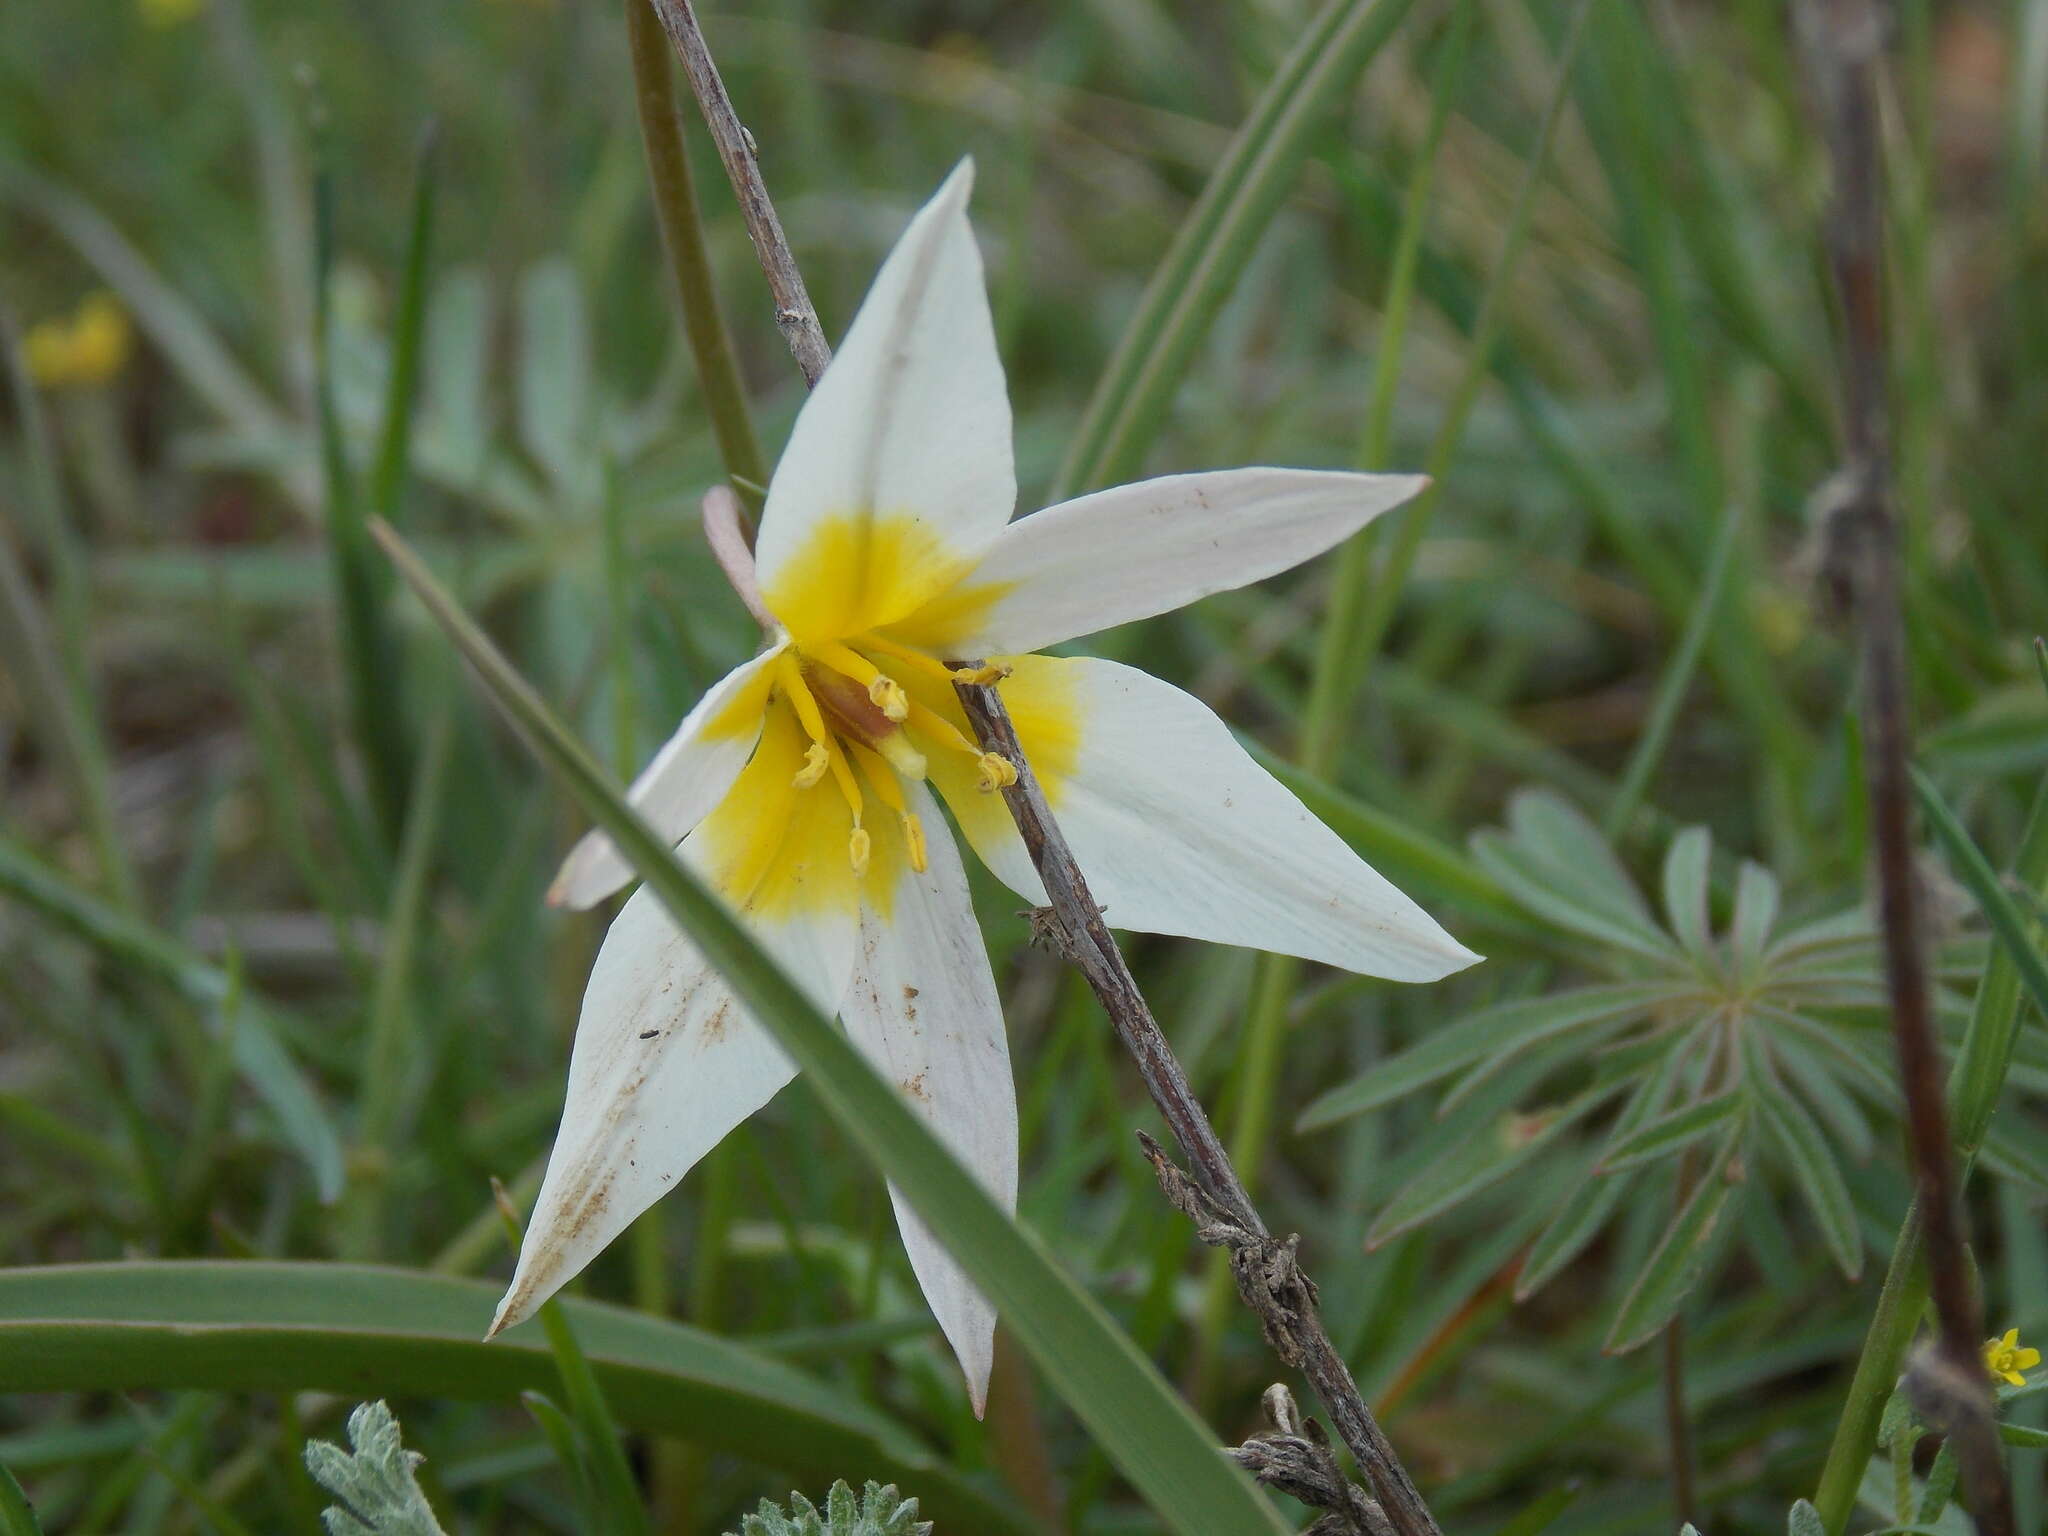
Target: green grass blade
394,444
368,657
364,1330
17,1515
1134,1414
1210,249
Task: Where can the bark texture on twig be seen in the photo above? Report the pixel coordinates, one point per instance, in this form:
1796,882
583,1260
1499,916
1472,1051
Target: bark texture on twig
1860,561
1295,1458
794,313
1270,1281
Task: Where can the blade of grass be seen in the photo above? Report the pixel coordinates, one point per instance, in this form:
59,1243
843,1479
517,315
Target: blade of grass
1209,251
394,443
1167,1454
267,1326
368,657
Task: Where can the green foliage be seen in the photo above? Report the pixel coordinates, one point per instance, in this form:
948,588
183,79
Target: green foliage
263,1043
879,1511
374,1482
1724,1057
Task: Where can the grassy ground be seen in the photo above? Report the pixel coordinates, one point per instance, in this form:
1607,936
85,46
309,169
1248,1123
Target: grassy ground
277,980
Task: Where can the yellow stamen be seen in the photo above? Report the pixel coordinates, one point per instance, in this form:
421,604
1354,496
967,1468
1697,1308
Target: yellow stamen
913,834
881,778
791,673
816,761
929,722
848,786
997,772
911,657
858,846
981,676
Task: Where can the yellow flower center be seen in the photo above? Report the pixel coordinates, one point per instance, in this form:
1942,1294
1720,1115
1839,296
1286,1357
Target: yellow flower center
872,735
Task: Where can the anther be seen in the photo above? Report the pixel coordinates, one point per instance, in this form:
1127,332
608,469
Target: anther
887,695
816,761
996,772
858,846
981,676
913,834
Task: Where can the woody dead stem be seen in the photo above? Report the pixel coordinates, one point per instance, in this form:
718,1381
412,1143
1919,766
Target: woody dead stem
1268,1277
1860,562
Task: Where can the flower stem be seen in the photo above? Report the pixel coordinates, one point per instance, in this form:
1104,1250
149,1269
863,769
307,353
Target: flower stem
682,236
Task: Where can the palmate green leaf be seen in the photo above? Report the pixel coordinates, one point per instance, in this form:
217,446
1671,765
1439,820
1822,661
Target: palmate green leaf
1587,1209
1814,1167
2024,1437
1756,914
368,1331
1488,1153
1679,1260
1504,1027
1803,1520
1685,892
1554,862
1672,1133
1140,1422
260,1057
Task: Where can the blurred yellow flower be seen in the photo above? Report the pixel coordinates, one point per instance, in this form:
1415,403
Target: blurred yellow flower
2006,1359
169,13
88,349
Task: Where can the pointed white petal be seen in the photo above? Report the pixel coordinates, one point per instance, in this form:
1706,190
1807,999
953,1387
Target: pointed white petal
666,1062
898,473
680,787
1178,831
923,1007
1137,550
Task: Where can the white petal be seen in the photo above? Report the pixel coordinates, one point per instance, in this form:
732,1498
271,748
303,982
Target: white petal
666,1062
1137,550
923,1006
681,786
1178,831
908,428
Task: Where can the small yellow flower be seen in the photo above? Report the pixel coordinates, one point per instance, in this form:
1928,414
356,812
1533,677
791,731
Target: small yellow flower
2005,1359
88,349
169,13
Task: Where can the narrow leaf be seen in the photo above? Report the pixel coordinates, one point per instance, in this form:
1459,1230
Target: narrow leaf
1678,1262
1671,1133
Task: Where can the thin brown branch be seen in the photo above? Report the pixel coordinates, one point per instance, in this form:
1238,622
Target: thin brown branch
794,314
1269,1280
1861,560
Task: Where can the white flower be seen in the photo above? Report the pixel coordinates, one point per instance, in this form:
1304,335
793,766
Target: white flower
801,785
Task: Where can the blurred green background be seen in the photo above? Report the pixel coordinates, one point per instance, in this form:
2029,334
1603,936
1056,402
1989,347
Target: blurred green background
259,1002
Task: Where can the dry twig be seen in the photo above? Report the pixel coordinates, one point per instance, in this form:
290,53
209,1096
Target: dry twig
1860,561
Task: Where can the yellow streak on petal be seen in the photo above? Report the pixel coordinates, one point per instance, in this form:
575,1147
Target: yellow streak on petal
859,572
741,714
